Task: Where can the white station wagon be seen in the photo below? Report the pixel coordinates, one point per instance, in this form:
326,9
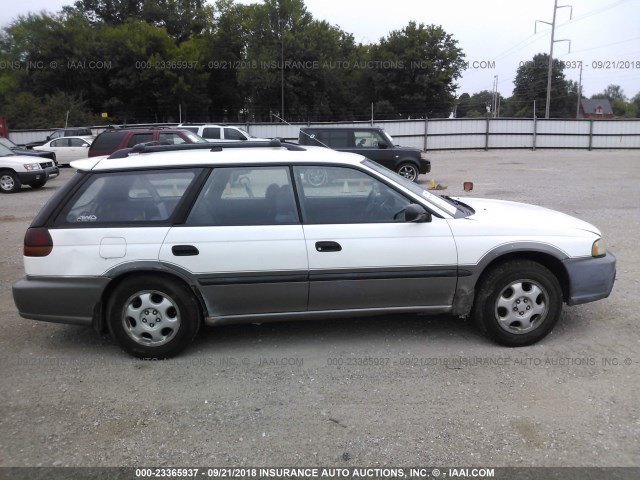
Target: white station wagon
154,241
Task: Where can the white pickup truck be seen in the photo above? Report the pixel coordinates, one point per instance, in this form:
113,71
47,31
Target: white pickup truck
17,170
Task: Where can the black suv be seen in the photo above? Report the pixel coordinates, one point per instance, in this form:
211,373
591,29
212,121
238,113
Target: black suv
114,139
371,142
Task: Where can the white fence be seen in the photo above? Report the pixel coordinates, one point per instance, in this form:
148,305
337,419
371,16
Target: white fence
463,133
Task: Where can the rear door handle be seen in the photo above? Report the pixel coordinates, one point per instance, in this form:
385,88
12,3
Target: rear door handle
328,247
184,250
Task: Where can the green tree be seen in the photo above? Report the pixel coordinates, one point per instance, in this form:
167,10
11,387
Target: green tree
531,85
415,69
180,18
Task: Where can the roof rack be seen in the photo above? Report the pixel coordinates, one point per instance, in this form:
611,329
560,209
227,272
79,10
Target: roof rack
150,147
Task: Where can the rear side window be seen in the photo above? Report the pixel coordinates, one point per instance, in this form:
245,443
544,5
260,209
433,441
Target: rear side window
107,141
61,142
211,133
246,196
333,138
127,197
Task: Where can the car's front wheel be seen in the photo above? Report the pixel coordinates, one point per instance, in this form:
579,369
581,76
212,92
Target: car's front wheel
518,303
9,182
153,317
408,171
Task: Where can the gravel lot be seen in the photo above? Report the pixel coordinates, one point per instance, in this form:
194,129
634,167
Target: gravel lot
296,394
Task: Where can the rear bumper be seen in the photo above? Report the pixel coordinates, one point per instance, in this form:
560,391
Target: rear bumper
590,279
58,299
425,166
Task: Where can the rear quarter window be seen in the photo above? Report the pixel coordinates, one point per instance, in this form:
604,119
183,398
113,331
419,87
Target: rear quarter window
127,197
107,141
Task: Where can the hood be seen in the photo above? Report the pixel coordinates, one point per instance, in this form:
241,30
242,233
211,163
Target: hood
523,217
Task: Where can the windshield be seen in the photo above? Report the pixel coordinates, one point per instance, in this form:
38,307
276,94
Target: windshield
7,143
5,152
247,134
194,137
442,203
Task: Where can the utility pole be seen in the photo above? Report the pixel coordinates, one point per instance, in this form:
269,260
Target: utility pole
553,32
494,106
579,92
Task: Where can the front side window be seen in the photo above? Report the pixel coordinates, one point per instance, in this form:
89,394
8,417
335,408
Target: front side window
233,134
367,139
170,138
125,197
346,195
246,196
139,138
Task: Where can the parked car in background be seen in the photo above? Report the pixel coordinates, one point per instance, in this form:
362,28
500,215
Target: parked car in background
166,239
17,170
23,151
63,132
68,149
220,133
114,139
371,142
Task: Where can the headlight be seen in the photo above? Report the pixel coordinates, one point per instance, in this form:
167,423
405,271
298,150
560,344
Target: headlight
598,249
31,166
423,155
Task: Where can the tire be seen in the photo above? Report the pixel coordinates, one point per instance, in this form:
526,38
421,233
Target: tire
39,184
153,317
316,177
408,171
9,182
518,303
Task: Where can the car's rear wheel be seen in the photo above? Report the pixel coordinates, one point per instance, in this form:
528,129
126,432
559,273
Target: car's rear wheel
408,171
518,303
153,317
9,182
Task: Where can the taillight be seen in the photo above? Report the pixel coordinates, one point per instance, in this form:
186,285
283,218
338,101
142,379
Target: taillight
37,242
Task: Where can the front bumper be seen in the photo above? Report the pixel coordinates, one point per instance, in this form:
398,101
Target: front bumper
425,166
590,279
59,299
37,176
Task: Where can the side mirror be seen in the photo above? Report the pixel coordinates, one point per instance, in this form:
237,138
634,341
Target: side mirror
416,214
383,145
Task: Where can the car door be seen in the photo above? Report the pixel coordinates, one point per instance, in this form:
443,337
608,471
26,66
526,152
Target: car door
244,244
61,147
78,148
363,255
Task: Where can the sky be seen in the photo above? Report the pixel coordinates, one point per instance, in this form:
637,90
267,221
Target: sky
496,35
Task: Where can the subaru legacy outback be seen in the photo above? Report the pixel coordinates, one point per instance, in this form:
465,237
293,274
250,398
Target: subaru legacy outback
155,241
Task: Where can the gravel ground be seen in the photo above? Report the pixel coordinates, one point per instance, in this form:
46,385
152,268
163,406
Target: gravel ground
297,394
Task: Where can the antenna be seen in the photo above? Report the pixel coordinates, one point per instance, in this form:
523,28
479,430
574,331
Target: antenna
312,137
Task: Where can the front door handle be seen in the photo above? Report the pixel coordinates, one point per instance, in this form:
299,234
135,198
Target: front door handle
328,246
184,250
